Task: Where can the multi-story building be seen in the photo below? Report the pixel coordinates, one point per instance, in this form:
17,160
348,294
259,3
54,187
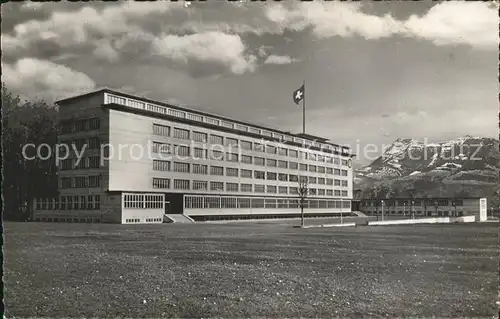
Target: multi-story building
419,207
144,158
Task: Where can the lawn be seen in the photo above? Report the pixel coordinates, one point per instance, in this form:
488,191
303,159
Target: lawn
249,270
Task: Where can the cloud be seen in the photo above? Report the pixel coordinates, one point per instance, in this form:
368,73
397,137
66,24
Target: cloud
474,23
36,78
444,23
279,59
222,49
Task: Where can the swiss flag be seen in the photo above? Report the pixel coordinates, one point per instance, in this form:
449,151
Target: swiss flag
298,95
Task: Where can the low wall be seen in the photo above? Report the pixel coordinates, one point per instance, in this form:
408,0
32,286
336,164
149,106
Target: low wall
435,220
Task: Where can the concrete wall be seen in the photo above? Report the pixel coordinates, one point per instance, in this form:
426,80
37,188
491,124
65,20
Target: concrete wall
259,211
142,215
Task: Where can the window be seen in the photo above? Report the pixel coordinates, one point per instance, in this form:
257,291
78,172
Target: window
271,176
270,203
217,155
259,161
337,182
94,181
270,149
226,124
294,190
329,160
271,189
161,130
94,143
212,202
293,178
283,190
329,181
257,202
216,139
217,170
80,181
321,180
329,192
200,185
232,157
161,148
66,182
312,180
321,169
181,133
344,172
344,193
241,127
194,117
311,156
212,121
94,161
200,153
303,179
94,124
329,170
282,164
231,142
337,192
259,188
294,165
344,162
246,188
182,150
231,171
181,167
200,169
271,162
293,153
181,184
303,167
283,177
320,158
216,186
259,174
159,165
246,159
321,192
228,202
200,137
161,182
336,161
246,145
76,202
282,151
244,203
312,168
344,183
232,187
194,202
246,173
336,172
258,147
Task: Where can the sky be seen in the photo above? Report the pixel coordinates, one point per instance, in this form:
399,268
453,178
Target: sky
374,71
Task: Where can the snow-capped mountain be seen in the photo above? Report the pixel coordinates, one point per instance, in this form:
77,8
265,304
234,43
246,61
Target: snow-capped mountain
464,158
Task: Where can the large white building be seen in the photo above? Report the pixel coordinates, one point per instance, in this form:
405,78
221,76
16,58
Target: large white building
143,159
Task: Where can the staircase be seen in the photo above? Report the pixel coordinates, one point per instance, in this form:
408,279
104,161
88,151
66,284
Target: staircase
177,218
359,214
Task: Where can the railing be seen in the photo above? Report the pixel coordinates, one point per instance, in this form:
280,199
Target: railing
112,98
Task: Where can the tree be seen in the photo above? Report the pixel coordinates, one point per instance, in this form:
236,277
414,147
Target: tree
25,179
303,192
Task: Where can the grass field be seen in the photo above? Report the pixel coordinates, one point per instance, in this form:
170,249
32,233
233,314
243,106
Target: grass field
247,270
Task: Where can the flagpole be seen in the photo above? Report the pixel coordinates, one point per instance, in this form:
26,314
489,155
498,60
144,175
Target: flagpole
304,108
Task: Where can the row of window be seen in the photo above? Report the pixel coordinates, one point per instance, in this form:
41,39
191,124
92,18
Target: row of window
90,143
180,133
84,163
219,122
137,220
416,202
254,202
181,167
80,181
199,185
73,202
144,201
81,125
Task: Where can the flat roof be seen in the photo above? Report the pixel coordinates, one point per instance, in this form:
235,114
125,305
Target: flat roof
111,91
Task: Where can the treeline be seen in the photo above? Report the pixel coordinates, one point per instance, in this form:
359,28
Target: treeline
26,122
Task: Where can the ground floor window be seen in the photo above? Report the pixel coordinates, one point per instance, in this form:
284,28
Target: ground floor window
143,201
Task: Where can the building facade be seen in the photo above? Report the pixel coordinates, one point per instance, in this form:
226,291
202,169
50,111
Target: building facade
132,160
420,207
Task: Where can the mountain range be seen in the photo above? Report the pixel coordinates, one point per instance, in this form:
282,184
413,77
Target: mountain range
466,166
